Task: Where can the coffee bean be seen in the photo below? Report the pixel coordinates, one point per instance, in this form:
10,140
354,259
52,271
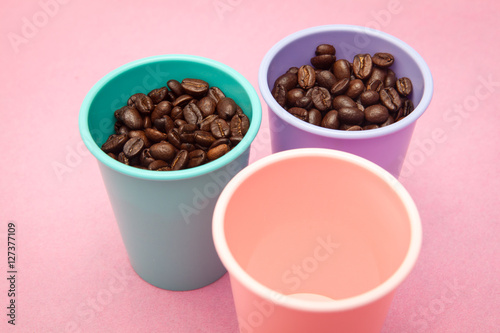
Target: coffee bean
207,122
162,151
376,114
325,49
390,99
155,135
226,108
157,164
216,94
305,102
177,113
331,120
217,151
182,100
146,122
300,113
114,143
287,80
239,125
314,117
189,147
146,158
174,138
369,97
161,109
325,79
204,138
176,87
323,61
293,70
221,141
351,115
180,160
220,128
377,74
354,128
342,69
306,77
321,98
340,87
356,87
375,85
131,117
196,157
192,114
343,101
133,147
390,79
235,139
179,122
390,120
195,87
207,106
279,94
123,159
371,126
382,59
293,96
404,86
143,103
158,95
140,134
362,66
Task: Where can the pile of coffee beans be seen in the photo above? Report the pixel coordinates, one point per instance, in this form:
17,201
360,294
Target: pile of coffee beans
338,94
182,125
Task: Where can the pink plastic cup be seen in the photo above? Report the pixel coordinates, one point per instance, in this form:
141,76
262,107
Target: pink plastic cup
385,146
315,240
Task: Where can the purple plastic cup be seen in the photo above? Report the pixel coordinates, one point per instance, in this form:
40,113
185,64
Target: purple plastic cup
385,146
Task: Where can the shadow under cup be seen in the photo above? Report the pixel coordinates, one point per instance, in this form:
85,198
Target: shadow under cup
165,216
320,232
385,146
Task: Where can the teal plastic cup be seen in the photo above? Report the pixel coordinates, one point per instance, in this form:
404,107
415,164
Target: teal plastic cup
165,217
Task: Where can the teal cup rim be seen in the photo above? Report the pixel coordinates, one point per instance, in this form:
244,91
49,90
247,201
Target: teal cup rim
277,109
175,174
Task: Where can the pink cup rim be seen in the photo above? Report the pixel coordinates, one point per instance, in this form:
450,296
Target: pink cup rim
237,272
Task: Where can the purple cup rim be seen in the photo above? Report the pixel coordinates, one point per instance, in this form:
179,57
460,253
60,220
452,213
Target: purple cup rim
277,109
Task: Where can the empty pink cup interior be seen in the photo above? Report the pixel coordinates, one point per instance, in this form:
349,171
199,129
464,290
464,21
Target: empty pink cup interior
313,224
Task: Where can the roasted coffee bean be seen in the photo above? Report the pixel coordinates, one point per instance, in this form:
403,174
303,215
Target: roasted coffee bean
177,113
342,69
146,158
131,118
377,74
207,122
343,101
217,151
390,99
321,98
195,87
226,108
306,77
369,97
216,94
239,125
323,61
182,100
340,87
143,103
407,107
113,156
220,128
187,128
221,141
360,106
157,164
293,96
158,95
162,151
189,147
115,143
164,124
355,128
287,80
351,115
305,102
180,160
356,87
133,147
325,49
371,126
192,114
325,79
375,85
179,122
196,157
122,130
362,66
146,122
376,114
207,106
293,70
123,159
155,135
174,138
204,138
331,120
235,139
170,96
300,113
161,109
279,94
176,87
404,86
382,59
390,79
140,134
314,117
390,120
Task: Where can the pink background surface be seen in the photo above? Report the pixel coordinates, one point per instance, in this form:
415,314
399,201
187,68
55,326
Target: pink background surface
73,272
